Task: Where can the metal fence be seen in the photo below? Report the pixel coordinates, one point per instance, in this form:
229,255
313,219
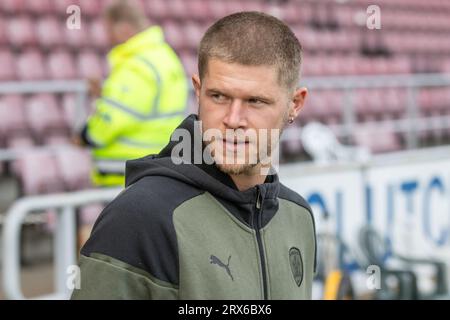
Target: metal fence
64,242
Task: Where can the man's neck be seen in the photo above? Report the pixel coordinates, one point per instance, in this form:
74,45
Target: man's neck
246,181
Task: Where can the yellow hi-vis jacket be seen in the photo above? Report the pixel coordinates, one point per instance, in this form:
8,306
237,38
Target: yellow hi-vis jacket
143,100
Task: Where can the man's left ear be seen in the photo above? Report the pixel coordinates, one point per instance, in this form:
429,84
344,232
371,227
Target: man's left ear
298,101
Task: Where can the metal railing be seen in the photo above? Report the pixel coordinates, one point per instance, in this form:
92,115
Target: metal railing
411,124
64,241
79,87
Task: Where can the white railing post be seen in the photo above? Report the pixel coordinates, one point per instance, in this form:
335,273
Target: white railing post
65,245
64,242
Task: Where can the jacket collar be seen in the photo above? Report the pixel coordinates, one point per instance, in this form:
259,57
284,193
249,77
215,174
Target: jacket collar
242,204
142,40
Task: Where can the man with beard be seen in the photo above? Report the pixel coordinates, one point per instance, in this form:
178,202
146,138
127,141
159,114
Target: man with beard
223,227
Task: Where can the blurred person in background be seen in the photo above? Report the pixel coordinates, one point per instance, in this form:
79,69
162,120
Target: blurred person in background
141,102
139,105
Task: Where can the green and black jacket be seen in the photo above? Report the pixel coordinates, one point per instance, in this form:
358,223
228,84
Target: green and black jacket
186,232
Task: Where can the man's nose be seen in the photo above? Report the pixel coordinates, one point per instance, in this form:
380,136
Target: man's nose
235,117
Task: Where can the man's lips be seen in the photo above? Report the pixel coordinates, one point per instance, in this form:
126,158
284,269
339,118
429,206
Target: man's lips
235,142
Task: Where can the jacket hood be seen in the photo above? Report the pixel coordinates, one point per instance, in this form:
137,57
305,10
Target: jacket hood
202,176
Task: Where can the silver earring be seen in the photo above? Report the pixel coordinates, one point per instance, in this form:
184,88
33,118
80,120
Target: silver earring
291,120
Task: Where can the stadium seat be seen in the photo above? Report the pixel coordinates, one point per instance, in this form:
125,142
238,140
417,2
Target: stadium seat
38,7
12,6
7,69
189,61
89,65
174,34
30,66
198,10
20,32
69,110
74,166
19,142
59,139
377,139
61,65
60,6
13,116
44,116
178,9
92,8
90,213
3,35
193,34
158,9
37,173
89,8
77,38
217,8
49,32
234,6
98,35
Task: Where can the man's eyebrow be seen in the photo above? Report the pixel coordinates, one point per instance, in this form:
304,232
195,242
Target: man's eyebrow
261,97
213,90
256,97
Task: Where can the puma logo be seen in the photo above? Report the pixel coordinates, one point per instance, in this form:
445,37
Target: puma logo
214,260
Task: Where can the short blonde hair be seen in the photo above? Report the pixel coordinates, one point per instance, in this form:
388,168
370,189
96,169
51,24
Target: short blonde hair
126,11
254,39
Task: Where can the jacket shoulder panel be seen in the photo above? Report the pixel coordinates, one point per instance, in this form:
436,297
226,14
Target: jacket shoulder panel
137,227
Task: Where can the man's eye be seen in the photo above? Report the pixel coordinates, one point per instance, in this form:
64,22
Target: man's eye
218,97
256,101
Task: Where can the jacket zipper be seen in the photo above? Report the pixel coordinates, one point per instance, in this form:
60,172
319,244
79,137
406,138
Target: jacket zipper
257,225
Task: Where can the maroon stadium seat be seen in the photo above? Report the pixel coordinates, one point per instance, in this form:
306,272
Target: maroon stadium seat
334,102
77,38
158,9
89,65
174,34
19,142
49,32
44,115
74,165
30,66
88,8
98,35
39,7
20,31
3,34
193,34
13,116
198,10
178,9
38,173
217,8
12,6
60,6
56,139
235,6
377,139
90,213
61,65
69,110
316,105
91,8
190,62
7,69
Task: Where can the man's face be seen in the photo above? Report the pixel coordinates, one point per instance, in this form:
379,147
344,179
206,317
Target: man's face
118,32
239,101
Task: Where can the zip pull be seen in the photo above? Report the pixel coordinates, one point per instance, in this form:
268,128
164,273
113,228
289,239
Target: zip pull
258,200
